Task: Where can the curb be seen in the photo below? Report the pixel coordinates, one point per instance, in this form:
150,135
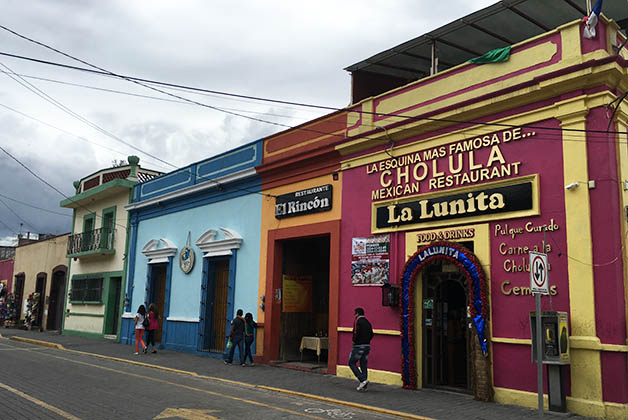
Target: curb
365,407
37,342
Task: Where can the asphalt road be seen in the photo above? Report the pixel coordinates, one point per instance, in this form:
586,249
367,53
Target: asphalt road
45,383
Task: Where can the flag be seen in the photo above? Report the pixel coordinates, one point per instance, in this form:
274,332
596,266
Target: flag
493,56
590,22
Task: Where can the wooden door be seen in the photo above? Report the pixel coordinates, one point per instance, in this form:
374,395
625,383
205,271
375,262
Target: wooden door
219,313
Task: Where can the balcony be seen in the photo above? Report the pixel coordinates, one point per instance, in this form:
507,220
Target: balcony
91,243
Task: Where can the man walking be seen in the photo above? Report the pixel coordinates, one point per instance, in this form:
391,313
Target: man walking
362,335
236,335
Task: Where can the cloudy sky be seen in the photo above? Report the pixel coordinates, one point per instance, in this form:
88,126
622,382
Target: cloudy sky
64,124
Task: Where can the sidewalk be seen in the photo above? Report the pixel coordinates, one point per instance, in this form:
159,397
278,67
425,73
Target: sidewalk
428,403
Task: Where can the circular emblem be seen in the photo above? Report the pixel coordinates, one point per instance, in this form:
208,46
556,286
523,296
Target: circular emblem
186,259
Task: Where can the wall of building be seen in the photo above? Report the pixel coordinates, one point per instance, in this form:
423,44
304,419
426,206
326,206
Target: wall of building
6,274
89,318
40,257
545,87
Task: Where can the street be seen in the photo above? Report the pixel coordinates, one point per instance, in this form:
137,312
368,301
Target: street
46,383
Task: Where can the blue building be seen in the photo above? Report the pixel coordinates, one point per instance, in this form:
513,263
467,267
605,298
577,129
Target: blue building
194,250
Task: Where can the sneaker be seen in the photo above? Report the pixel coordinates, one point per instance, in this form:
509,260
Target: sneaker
251,364
226,362
242,364
363,385
145,350
154,351
136,353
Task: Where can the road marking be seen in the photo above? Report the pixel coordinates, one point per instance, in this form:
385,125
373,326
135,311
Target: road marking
40,403
187,414
364,407
191,388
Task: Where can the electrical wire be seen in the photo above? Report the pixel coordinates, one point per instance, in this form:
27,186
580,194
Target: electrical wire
118,152
23,165
18,216
34,207
329,108
34,89
138,95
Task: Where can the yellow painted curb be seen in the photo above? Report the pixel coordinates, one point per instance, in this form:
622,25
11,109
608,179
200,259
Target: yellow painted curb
346,403
133,362
244,384
38,342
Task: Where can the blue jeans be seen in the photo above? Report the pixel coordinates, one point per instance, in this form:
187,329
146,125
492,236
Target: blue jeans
236,341
361,353
248,340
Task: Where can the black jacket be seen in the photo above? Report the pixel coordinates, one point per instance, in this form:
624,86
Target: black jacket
362,331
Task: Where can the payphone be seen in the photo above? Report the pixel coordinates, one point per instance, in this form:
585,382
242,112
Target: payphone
555,335
555,354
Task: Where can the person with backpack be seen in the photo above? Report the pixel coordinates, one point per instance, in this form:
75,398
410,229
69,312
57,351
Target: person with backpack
362,335
236,336
141,323
153,325
249,336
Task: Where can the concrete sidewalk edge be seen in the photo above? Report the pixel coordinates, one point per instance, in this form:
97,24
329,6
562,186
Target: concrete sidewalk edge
37,342
244,384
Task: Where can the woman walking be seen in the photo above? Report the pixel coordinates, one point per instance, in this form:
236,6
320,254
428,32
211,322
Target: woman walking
249,336
153,325
140,316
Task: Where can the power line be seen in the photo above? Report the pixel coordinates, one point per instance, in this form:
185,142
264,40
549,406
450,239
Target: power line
34,207
67,110
68,132
18,216
50,185
379,114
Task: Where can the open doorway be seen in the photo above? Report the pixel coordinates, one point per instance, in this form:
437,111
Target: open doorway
446,362
55,303
304,319
157,294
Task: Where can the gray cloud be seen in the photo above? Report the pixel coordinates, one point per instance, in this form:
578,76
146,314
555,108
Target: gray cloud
286,50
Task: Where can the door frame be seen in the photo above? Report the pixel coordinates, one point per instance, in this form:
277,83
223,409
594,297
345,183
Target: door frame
148,293
272,313
439,286
61,272
204,294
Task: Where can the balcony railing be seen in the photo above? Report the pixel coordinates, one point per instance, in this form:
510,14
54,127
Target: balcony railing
91,242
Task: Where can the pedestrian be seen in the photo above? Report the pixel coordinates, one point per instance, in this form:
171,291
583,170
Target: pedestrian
236,335
362,335
139,329
153,325
249,336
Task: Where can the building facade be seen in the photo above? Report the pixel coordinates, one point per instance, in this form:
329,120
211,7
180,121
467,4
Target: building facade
476,167
39,273
97,248
195,244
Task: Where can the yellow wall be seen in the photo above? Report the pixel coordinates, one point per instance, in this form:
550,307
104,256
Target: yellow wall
39,257
98,263
269,222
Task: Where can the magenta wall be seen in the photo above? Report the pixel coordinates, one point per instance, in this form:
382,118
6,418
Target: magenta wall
6,272
540,153
610,304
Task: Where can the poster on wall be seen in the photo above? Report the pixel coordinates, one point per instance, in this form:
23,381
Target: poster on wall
370,260
297,294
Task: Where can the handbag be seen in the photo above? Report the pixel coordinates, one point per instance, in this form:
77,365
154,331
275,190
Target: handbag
229,344
145,323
